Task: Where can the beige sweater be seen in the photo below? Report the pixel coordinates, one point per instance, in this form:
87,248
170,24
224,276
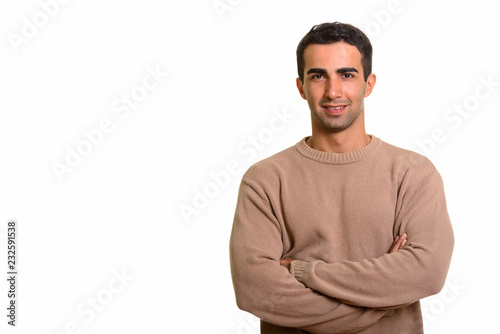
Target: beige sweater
337,215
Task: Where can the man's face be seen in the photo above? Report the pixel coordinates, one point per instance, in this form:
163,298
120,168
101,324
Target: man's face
334,86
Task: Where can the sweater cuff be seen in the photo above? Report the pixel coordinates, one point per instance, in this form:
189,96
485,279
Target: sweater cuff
297,269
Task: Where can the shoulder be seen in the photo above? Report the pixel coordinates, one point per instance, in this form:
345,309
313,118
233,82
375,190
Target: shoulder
271,165
271,169
410,168
407,159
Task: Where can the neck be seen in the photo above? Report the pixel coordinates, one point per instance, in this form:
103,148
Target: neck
350,139
339,142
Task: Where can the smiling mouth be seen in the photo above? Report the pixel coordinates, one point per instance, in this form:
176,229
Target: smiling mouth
334,110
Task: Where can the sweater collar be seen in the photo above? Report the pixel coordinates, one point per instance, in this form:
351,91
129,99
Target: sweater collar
338,158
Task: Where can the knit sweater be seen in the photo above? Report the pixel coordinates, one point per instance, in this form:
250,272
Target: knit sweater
337,215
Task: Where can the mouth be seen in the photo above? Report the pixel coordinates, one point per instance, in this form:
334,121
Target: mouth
334,109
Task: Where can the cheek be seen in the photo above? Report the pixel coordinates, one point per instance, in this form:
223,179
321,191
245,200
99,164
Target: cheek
354,93
313,92
304,91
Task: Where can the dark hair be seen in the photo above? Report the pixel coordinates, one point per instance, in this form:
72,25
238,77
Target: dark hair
329,33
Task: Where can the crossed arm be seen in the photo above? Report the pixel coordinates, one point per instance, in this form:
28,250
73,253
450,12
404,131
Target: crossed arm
399,243
346,296
267,290
404,276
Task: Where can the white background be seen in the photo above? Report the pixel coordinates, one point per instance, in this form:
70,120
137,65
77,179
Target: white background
229,72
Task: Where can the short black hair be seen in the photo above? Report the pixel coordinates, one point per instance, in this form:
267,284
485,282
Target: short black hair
329,33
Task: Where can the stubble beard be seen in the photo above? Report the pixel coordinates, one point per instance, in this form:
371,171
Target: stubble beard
333,124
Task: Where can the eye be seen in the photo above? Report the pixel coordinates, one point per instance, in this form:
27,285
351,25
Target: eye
348,75
317,76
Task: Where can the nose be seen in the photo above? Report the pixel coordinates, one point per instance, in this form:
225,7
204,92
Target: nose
333,89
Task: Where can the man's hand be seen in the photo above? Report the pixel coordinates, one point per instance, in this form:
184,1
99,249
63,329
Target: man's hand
286,262
399,243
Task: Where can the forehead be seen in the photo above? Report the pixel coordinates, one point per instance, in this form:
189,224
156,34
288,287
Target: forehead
333,56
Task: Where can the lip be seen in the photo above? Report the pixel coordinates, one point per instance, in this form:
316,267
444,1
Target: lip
330,111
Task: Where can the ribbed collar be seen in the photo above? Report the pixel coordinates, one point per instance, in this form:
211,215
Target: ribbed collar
338,158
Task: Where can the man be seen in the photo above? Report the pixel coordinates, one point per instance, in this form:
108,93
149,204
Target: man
341,233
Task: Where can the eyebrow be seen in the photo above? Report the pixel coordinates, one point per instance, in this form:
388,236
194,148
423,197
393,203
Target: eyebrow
338,71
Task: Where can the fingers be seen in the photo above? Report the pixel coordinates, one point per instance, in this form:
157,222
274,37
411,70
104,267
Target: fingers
286,262
399,243
403,243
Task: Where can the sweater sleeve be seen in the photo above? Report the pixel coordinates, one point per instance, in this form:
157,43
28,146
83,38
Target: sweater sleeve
267,290
397,279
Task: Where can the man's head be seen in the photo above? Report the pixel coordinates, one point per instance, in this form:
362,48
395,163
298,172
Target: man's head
329,33
334,62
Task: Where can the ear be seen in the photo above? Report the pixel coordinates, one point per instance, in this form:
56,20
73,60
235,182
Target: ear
370,83
300,87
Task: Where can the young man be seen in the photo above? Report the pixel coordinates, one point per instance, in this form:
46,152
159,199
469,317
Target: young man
342,232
